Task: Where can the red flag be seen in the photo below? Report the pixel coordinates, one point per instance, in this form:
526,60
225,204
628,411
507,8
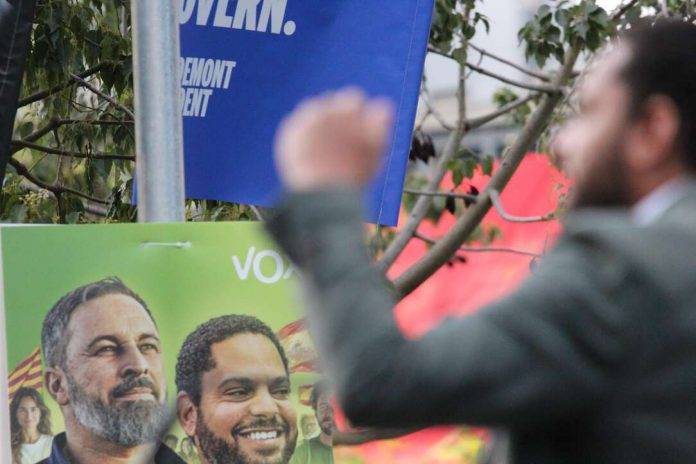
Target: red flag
298,347
304,393
28,373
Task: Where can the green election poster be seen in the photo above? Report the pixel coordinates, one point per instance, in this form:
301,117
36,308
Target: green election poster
157,343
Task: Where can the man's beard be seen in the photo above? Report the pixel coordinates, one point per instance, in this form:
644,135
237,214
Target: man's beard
129,424
326,426
219,451
608,186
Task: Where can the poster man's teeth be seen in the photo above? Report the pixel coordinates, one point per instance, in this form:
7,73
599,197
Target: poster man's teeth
263,435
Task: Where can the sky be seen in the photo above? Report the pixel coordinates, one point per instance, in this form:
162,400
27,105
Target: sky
608,4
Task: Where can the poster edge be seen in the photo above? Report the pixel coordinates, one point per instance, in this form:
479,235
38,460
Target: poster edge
5,454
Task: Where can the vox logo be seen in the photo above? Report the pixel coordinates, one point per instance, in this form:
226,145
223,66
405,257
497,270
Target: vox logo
266,266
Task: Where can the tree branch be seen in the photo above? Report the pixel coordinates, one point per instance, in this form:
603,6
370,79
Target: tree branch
622,10
469,249
71,154
495,199
56,123
38,96
664,6
485,119
106,97
97,122
432,111
467,223
529,72
55,190
475,123
546,88
464,196
47,129
423,204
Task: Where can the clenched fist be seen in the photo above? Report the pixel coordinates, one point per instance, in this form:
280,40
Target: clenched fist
333,141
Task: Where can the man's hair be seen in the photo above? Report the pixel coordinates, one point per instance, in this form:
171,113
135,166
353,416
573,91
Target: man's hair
195,357
318,389
54,336
663,62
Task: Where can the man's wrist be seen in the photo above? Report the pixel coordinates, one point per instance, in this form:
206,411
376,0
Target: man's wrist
329,183
304,219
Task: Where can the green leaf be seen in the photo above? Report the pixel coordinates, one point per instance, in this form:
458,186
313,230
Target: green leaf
487,165
460,55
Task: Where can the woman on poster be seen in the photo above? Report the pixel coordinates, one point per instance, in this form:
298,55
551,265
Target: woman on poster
31,427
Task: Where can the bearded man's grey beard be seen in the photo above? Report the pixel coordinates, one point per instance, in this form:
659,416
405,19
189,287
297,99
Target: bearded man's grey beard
129,424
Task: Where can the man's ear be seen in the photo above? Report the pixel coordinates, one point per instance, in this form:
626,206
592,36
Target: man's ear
187,413
653,141
56,385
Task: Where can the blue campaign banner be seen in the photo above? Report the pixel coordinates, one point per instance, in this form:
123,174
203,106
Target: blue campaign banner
247,63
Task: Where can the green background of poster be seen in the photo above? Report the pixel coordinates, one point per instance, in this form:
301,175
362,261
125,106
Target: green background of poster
183,287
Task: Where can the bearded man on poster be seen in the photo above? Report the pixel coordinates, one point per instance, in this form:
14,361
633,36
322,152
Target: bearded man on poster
234,393
319,449
103,360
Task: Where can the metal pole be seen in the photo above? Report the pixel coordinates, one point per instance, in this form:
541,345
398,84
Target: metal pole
158,123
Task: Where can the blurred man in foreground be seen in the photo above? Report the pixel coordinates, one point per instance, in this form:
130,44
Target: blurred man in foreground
234,393
593,359
103,359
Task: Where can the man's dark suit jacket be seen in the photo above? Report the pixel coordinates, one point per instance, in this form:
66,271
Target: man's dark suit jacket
164,454
592,360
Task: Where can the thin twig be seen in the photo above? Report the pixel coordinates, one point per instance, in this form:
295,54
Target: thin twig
257,213
495,199
622,10
463,196
24,172
546,88
48,128
106,97
424,203
21,144
471,249
433,112
55,123
97,122
665,8
529,72
38,96
485,119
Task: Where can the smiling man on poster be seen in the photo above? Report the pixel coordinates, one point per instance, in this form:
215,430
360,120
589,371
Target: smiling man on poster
103,360
234,393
